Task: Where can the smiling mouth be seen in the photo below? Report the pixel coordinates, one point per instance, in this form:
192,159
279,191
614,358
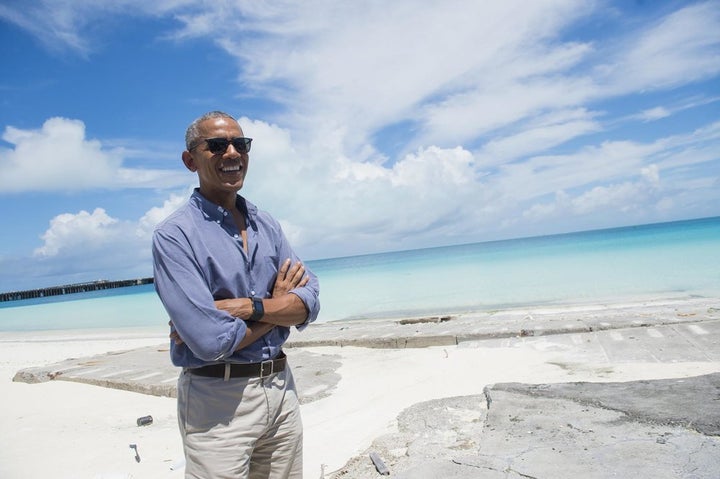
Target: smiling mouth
231,169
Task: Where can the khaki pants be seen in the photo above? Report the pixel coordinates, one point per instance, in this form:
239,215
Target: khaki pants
243,428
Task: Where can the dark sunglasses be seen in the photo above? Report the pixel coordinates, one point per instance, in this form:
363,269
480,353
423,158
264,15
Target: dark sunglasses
219,145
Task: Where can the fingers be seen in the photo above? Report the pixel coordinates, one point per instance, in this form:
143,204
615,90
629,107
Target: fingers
174,336
296,273
284,268
292,275
289,276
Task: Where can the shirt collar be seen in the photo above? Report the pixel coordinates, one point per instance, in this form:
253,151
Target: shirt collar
216,212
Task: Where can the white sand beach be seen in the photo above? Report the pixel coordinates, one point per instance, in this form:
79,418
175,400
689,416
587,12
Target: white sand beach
68,430
71,430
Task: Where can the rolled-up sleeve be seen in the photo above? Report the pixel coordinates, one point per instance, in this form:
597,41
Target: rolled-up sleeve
310,296
209,333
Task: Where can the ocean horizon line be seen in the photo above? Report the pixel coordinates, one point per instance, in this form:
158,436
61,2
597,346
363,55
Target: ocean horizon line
520,238
122,283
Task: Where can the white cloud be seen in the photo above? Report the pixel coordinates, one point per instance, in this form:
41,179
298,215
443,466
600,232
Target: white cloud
461,70
539,135
654,114
78,232
625,179
451,168
651,173
623,198
681,48
66,25
460,67
156,214
56,32
95,243
58,157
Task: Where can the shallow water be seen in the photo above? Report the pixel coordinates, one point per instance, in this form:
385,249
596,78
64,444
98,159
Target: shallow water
669,258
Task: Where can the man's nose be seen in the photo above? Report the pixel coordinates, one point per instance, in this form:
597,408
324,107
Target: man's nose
231,151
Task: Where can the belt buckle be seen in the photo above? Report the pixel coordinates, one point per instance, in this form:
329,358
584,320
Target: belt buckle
263,366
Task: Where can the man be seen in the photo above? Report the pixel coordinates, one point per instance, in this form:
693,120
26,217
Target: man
232,287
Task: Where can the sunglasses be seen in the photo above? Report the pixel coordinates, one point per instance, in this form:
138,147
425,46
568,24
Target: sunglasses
220,145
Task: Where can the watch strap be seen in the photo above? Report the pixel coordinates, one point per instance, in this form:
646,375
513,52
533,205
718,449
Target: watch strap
258,309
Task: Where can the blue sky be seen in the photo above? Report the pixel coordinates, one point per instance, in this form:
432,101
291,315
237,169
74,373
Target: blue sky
377,126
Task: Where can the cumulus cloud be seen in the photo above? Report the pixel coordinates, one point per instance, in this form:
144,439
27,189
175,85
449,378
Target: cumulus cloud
156,214
628,179
59,157
90,246
78,232
319,193
625,197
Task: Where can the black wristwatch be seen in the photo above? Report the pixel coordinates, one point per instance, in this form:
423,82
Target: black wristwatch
258,309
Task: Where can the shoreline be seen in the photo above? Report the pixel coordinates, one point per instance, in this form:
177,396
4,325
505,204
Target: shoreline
574,303
57,420
395,315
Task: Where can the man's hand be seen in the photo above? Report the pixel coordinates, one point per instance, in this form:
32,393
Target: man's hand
289,278
174,336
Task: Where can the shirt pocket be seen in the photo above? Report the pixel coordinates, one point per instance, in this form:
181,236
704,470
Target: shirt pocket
265,270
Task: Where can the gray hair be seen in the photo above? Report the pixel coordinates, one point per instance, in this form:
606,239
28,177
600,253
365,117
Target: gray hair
193,131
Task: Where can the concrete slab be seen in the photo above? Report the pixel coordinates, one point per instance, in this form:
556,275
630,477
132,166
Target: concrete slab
704,336
660,429
149,371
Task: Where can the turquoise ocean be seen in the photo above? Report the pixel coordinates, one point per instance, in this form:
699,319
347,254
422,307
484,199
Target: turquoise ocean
679,258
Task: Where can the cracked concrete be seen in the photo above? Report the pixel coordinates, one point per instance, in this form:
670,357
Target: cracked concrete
148,371
659,429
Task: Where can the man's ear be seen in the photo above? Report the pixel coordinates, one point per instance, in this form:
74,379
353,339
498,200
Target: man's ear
189,161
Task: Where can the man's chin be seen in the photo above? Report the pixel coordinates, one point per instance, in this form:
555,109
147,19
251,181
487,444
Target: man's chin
234,185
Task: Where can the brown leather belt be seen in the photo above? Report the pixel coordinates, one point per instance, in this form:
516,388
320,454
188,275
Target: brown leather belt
248,370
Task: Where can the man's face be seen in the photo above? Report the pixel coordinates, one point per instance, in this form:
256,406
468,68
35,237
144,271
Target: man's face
221,174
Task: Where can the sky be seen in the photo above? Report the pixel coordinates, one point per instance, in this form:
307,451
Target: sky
377,126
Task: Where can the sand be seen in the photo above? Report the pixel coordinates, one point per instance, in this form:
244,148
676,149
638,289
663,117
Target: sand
69,430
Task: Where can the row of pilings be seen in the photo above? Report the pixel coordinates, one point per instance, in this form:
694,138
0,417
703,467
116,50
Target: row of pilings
72,288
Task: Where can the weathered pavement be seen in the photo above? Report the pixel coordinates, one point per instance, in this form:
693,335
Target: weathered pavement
658,429
664,428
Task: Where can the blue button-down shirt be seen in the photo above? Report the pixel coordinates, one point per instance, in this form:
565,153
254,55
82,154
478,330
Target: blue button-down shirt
199,258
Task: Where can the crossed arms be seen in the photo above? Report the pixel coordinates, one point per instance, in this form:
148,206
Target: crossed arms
282,309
